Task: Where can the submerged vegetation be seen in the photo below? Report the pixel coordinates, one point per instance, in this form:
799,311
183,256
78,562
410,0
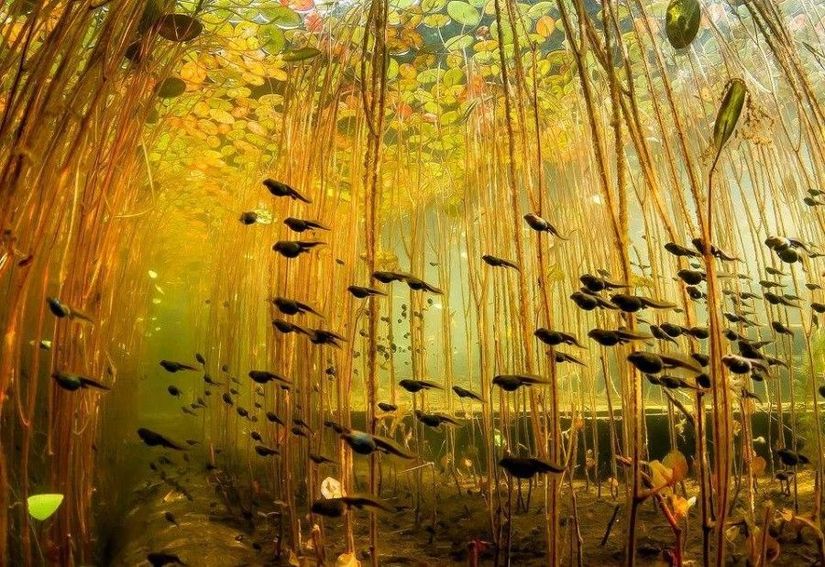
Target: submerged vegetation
411,281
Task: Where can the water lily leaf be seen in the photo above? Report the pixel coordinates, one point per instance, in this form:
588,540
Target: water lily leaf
682,22
171,87
179,27
677,462
463,13
283,17
272,39
42,506
729,112
301,54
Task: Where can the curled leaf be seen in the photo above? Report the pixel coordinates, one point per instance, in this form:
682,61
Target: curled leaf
729,112
677,462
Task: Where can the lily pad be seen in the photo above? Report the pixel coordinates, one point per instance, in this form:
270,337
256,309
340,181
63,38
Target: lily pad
179,27
682,22
301,54
283,17
463,13
42,506
171,87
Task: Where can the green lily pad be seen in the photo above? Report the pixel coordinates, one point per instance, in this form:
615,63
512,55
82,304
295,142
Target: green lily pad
42,506
682,22
464,13
171,87
301,54
283,17
179,27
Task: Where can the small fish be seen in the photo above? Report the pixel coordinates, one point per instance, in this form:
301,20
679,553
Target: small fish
63,311
499,262
320,459
264,376
293,307
389,277
294,248
555,338
434,419
154,439
325,337
781,329
512,382
363,292
287,327
680,251
464,393
417,284
248,218
597,284
699,244
414,386
171,366
528,467
302,225
365,444
279,189
539,224
610,338
337,507
265,451
561,357
74,382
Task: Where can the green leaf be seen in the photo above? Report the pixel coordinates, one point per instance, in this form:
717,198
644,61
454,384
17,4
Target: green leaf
283,17
682,22
272,39
463,13
301,54
171,87
729,112
42,506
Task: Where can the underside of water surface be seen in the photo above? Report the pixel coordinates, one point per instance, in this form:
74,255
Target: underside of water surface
412,282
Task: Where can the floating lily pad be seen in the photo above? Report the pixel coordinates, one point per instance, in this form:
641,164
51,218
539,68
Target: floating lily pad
171,87
682,22
283,17
464,13
179,27
729,112
42,506
301,54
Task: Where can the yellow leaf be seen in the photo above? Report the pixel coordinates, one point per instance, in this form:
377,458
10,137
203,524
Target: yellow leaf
758,465
545,26
660,475
192,72
677,462
221,116
680,506
347,560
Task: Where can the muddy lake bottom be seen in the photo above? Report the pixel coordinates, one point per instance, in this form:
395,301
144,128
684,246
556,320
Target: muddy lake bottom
214,530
